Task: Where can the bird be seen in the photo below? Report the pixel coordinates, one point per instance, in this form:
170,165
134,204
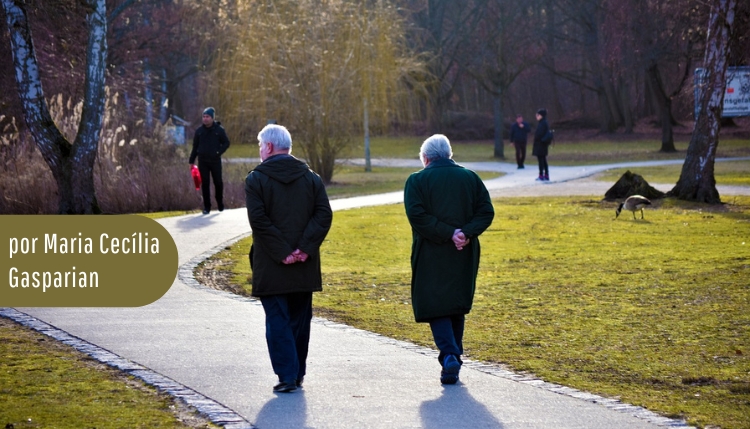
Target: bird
633,203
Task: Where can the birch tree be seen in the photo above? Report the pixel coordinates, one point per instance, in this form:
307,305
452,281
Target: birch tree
72,164
697,182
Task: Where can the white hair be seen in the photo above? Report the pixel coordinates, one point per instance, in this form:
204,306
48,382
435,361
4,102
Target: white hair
436,147
277,135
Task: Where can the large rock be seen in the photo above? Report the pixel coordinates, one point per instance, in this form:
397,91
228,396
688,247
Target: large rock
632,184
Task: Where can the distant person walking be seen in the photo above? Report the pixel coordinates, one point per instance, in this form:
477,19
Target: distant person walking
542,140
289,215
209,143
448,206
519,136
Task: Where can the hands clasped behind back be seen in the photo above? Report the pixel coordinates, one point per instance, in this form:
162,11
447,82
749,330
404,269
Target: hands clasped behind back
294,257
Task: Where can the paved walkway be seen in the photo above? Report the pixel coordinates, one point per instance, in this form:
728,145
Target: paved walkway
208,348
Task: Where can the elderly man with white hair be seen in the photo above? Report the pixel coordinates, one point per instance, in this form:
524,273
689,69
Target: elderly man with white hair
448,207
290,216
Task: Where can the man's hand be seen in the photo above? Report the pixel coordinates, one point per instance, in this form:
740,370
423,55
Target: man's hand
296,256
300,256
459,239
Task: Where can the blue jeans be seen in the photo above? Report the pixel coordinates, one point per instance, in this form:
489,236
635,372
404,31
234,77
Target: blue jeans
288,319
448,333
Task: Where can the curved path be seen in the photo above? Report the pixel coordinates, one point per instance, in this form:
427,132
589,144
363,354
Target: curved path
208,348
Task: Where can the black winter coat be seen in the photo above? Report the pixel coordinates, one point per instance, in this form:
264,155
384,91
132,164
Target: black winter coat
541,146
209,143
518,134
288,209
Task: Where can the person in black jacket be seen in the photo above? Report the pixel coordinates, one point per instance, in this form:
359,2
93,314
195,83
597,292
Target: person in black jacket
209,143
519,133
290,216
542,140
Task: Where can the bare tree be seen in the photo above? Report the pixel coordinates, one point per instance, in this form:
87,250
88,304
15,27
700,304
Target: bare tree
669,33
697,182
448,34
72,165
505,48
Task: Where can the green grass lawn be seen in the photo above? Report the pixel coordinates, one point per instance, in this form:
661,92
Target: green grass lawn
562,153
655,312
45,384
735,173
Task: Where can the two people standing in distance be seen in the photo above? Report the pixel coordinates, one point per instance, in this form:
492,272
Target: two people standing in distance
448,207
209,143
519,134
542,139
290,216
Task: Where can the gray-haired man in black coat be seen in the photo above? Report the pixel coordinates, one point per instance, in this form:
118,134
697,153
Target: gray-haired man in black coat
290,217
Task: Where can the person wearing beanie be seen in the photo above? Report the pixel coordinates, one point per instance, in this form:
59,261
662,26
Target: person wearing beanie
209,143
542,140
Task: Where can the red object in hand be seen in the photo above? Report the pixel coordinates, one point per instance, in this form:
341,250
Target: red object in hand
196,176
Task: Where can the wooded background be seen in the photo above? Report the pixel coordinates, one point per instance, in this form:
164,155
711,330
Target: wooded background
602,64
95,81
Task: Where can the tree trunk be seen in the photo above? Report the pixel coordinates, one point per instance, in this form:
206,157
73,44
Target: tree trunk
665,108
608,124
497,108
697,182
613,99
72,165
627,111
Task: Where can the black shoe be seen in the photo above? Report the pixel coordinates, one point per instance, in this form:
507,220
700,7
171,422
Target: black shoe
446,378
300,381
521,167
206,211
451,368
285,387
221,207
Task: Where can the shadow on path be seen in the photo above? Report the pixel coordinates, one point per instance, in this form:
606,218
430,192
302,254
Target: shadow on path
285,411
456,408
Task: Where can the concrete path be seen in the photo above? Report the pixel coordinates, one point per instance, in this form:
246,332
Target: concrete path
208,348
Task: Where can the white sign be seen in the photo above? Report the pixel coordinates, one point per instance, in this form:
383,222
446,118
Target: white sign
736,95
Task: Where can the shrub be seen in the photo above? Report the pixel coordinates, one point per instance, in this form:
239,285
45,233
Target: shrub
135,171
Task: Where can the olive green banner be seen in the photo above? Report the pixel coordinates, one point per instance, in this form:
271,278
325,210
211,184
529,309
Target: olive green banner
84,261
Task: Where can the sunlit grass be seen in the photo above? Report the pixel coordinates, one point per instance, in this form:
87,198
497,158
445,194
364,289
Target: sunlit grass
45,384
351,181
583,152
655,311
735,173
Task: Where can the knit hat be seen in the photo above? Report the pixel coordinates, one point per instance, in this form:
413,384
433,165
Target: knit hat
542,113
209,111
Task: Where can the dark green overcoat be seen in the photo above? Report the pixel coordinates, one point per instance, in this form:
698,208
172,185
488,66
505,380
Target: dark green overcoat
288,209
438,200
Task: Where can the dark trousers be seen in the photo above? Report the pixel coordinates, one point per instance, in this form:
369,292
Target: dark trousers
543,166
448,333
520,153
211,168
288,319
